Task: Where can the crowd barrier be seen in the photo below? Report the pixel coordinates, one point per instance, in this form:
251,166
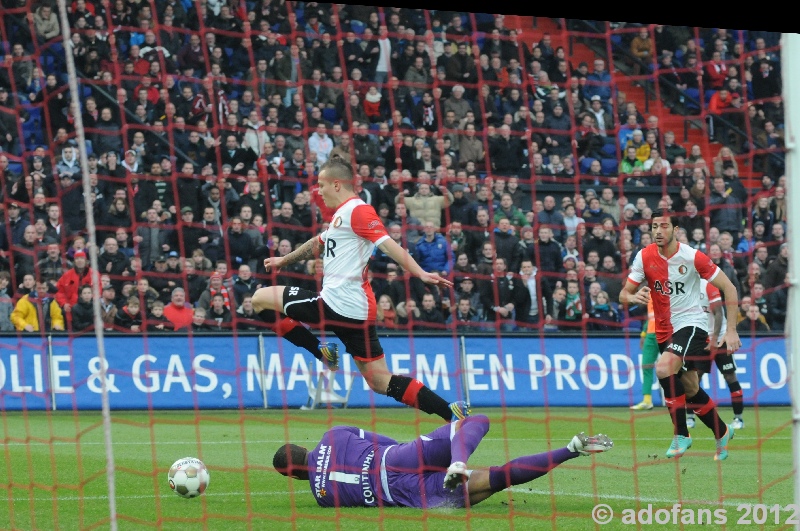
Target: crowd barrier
257,371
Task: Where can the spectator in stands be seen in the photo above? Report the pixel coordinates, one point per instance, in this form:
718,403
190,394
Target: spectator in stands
778,302
16,223
6,303
642,48
433,251
27,311
603,315
598,82
83,311
68,284
45,23
177,311
149,294
214,287
726,214
244,284
156,321
108,135
219,313
538,291
430,317
240,245
152,238
51,267
129,318
753,323
506,153
199,323
631,162
246,318
108,309
609,204
508,211
112,262
424,205
598,242
502,295
777,268
549,253
464,317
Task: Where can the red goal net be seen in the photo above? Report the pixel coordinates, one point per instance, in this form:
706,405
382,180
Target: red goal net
521,158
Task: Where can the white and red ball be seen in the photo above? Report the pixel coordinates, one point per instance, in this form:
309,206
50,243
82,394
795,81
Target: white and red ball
188,477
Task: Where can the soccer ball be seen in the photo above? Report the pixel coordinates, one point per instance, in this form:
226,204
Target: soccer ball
188,477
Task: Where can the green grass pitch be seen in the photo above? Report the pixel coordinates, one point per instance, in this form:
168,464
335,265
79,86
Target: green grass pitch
54,469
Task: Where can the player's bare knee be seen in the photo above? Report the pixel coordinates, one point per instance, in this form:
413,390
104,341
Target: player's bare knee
691,387
379,383
664,370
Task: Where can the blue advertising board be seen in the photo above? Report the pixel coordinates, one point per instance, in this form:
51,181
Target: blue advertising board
208,372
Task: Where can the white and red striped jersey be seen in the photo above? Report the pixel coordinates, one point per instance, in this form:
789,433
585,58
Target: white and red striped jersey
675,286
711,297
349,241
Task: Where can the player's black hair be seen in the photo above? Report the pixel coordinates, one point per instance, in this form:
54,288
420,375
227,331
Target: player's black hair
290,460
666,213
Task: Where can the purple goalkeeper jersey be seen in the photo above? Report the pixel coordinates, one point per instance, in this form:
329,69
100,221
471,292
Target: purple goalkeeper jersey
344,468
351,467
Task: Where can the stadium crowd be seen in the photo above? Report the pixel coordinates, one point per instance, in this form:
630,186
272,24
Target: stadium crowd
207,121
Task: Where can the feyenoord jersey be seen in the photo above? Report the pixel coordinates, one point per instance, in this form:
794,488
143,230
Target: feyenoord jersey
348,244
675,286
344,469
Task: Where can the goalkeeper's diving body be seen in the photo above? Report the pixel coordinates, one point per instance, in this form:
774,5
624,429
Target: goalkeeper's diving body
351,467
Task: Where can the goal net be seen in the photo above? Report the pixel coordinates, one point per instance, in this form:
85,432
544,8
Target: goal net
519,157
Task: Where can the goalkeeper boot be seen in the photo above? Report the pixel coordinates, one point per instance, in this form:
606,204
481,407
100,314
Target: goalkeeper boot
722,444
738,423
644,405
457,474
679,446
460,409
330,355
590,444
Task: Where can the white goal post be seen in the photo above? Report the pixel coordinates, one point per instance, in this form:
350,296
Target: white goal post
790,55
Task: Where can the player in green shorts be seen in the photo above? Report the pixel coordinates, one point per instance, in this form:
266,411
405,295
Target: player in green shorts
649,347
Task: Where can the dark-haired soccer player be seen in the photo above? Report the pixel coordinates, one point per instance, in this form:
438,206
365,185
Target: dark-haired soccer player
351,467
346,305
673,272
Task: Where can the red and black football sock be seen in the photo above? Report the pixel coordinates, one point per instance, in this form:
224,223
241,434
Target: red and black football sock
706,410
412,392
299,335
675,397
737,398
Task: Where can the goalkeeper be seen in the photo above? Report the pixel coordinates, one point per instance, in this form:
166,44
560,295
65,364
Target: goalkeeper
351,467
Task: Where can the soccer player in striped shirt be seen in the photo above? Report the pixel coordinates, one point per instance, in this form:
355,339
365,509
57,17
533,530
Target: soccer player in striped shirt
672,273
346,305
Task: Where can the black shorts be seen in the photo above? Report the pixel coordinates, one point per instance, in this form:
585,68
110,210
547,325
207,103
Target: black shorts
360,338
689,343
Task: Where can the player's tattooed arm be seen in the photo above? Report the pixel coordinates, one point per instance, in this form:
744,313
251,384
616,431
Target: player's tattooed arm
311,249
